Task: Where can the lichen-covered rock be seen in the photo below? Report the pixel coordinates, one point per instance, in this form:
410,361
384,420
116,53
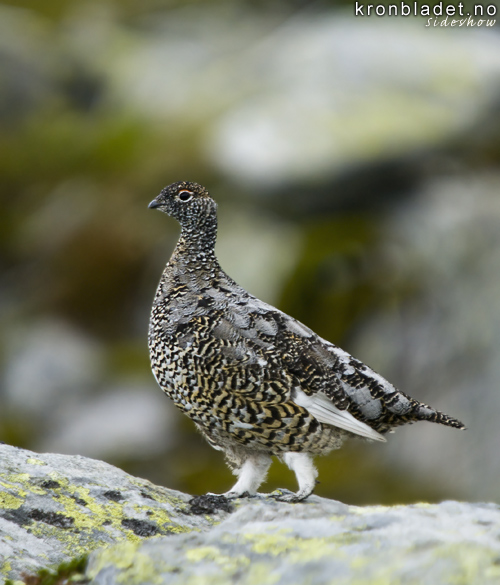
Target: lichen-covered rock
318,542
54,508
57,507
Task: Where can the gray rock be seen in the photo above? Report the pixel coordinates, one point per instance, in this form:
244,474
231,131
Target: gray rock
56,507
319,541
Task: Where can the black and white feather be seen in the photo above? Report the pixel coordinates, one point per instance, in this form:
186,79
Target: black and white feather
255,381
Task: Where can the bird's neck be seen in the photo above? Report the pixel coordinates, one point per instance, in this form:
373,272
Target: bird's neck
195,251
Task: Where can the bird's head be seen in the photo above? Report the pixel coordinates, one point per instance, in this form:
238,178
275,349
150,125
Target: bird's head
189,203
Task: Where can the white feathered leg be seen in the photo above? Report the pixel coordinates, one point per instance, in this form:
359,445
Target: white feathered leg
250,475
305,472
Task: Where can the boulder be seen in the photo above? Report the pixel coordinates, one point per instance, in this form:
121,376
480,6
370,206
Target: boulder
55,507
317,542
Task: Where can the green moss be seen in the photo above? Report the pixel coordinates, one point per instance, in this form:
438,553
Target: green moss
72,571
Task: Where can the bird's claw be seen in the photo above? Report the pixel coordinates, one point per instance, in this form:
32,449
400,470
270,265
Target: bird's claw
282,495
236,495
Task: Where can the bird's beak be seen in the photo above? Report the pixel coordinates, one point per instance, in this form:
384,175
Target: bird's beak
154,204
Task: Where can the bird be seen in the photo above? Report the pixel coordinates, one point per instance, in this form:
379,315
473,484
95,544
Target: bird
256,382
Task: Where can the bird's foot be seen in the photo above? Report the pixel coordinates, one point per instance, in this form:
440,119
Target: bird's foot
283,495
232,495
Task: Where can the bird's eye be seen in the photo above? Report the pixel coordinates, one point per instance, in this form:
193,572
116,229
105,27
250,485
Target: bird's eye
185,195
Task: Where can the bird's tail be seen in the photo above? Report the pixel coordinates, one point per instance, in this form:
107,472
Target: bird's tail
425,412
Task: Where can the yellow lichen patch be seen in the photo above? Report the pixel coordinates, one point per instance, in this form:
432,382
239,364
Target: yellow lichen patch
196,555
337,518
33,461
86,513
10,502
179,529
158,512
297,549
369,510
160,495
23,479
136,567
471,564
35,489
212,553
14,488
95,515
274,544
90,516
161,518
493,572
240,569
84,518
120,556
72,544
260,573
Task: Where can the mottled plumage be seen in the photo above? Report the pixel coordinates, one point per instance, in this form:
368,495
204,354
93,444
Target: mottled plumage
255,381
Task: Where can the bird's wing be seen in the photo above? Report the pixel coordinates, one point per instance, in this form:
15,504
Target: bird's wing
284,355
347,383
262,340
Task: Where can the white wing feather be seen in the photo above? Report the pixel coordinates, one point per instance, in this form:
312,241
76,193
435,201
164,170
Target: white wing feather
326,412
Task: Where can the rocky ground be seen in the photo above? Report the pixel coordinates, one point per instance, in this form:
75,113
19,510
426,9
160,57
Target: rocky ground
58,508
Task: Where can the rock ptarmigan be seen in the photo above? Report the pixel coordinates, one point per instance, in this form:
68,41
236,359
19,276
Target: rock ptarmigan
255,381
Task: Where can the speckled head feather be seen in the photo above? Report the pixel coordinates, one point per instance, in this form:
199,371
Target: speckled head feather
189,203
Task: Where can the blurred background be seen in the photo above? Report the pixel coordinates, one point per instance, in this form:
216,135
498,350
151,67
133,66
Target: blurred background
356,162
